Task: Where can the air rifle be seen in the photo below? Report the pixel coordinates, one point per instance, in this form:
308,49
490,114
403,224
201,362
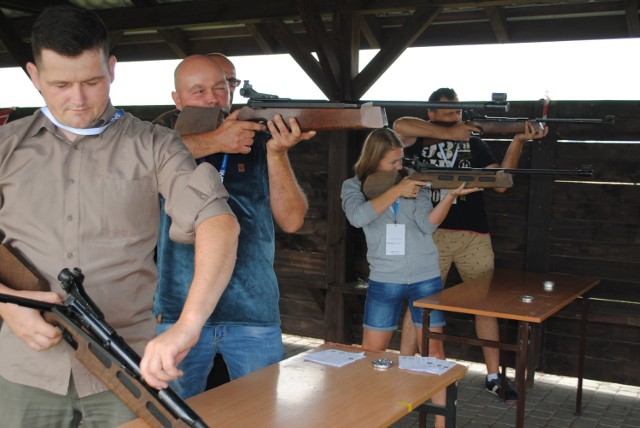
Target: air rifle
108,356
311,114
516,125
451,178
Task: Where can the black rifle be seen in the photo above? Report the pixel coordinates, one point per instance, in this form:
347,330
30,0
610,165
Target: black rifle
108,356
451,178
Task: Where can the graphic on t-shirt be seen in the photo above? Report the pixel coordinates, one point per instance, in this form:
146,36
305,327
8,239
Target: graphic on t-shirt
447,154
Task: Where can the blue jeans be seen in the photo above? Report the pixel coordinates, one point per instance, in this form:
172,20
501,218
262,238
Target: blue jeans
245,349
384,303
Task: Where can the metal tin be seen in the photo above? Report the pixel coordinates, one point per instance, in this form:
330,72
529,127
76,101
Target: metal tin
527,299
549,285
382,364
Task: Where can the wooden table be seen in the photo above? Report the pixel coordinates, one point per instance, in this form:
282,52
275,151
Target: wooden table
501,296
298,393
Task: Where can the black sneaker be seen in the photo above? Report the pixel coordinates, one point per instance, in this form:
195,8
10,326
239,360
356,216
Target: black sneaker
495,387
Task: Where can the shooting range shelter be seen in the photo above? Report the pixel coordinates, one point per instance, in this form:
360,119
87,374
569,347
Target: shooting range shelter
588,227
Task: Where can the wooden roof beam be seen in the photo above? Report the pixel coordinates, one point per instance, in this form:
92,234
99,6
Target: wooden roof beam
393,48
348,42
18,49
322,44
30,6
262,37
175,38
177,41
498,23
370,30
305,60
633,24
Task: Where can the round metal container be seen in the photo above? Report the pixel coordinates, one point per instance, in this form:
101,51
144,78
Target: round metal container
527,299
549,285
382,364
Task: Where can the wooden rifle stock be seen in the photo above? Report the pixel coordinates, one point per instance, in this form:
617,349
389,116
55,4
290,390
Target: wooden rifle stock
379,182
16,274
197,120
311,115
319,118
489,127
517,125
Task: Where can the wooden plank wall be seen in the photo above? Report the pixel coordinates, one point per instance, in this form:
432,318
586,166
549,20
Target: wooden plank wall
590,228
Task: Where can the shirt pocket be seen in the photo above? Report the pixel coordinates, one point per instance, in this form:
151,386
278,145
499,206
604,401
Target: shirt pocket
129,207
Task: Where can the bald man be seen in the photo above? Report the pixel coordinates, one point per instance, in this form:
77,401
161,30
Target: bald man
262,190
229,71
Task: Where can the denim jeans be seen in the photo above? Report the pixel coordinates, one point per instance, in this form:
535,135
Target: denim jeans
245,349
384,303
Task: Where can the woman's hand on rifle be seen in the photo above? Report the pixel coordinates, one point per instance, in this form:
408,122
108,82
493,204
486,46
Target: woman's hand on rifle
409,188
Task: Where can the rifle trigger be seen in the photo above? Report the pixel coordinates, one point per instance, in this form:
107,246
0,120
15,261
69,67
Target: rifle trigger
68,337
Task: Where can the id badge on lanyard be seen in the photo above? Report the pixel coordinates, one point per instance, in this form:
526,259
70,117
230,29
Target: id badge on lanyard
395,237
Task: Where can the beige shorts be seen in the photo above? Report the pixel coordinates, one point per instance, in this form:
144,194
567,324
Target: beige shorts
471,252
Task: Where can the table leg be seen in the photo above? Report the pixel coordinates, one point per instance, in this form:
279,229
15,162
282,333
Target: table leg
521,368
422,415
452,403
425,332
583,341
503,358
533,354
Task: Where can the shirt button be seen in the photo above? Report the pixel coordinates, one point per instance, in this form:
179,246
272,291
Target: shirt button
69,217
71,181
75,147
69,255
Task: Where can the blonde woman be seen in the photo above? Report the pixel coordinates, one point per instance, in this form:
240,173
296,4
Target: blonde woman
403,260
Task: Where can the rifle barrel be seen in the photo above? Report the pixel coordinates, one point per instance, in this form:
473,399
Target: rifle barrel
279,103
608,120
584,171
28,303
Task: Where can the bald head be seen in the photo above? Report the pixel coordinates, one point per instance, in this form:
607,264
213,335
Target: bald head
228,68
200,82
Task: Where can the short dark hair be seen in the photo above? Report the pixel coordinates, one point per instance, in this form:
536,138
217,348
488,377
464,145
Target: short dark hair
446,93
68,30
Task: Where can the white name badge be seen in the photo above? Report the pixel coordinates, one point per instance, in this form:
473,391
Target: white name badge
395,240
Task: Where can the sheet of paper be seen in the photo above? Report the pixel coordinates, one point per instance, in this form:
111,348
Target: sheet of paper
334,357
425,364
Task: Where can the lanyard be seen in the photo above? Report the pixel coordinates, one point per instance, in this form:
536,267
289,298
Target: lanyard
223,165
444,157
82,131
394,208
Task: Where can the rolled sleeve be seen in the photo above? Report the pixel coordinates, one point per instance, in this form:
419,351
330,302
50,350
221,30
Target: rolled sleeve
202,197
192,193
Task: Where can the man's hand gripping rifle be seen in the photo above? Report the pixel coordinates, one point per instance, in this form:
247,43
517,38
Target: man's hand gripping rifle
451,178
108,356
